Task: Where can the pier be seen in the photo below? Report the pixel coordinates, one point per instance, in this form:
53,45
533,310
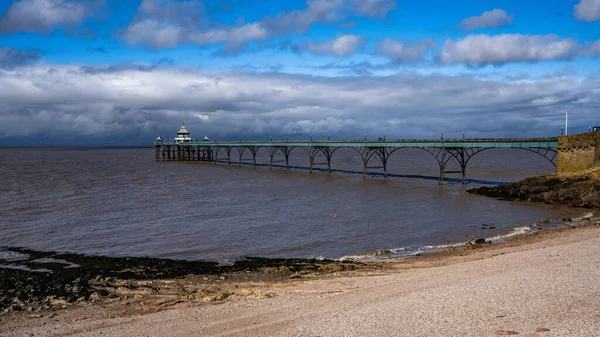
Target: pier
374,153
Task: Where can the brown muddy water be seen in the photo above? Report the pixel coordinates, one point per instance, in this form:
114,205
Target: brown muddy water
120,202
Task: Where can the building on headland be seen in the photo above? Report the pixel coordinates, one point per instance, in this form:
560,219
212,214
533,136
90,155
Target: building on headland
578,152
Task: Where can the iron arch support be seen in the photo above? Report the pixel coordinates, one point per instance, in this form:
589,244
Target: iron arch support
284,150
227,150
314,151
546,153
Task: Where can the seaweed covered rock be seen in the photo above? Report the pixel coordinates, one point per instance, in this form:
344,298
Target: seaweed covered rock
577,190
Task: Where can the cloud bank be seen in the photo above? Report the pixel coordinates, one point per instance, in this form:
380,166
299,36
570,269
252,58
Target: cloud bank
142,102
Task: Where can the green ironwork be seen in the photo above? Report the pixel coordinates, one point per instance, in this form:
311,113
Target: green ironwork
458,151
454,143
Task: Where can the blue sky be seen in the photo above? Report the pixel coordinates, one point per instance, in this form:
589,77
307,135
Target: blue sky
129,70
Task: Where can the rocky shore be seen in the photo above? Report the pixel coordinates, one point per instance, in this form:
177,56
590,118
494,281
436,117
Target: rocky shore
574,189
34,281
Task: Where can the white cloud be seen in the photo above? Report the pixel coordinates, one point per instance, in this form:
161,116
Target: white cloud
481,50
167,23
340,46
402,51
374,7
489,19
41,16
59,100
588,10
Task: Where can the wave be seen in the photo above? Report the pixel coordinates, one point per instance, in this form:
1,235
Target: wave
409,251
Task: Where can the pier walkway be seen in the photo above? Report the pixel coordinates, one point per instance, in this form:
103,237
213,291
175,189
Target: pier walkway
374,153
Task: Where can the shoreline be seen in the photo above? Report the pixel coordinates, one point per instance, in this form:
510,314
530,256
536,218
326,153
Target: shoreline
77,278
140,298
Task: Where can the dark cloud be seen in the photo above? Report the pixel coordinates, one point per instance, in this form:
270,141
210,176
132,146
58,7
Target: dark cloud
11,57
41,16
107,101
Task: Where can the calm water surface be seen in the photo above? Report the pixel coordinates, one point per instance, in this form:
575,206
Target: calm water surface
121,202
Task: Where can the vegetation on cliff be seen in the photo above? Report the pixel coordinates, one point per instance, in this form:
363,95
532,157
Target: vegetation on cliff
580,189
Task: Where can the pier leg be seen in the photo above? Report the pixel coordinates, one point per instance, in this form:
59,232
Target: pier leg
385,169
463,166
286,153
442,163
241,153
157,153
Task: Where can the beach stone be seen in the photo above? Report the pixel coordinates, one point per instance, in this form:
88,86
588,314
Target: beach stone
79,318
480,241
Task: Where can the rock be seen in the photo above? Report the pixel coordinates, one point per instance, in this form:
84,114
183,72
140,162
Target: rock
480,241
79,318
58,303
578,190
35,316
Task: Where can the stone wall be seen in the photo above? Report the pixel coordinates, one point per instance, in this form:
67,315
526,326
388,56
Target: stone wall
578,152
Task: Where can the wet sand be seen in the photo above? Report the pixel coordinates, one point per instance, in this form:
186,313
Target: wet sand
545,284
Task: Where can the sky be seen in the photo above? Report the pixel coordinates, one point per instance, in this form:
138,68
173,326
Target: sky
112,72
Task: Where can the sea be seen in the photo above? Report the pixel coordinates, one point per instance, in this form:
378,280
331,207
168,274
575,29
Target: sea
121,202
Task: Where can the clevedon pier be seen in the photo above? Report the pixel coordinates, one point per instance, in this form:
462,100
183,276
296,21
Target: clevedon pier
374,153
